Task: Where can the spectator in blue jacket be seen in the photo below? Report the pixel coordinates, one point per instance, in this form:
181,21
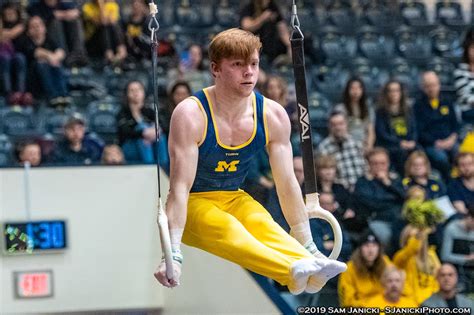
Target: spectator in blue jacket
418,173
322,232
436,123
395,125
380,195
461,189
76,148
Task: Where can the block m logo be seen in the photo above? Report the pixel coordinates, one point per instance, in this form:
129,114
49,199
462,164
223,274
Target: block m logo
223,166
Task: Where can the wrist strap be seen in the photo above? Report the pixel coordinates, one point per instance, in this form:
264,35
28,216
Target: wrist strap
311,247
175,255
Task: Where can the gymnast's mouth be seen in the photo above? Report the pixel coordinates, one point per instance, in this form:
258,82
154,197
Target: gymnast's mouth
247,83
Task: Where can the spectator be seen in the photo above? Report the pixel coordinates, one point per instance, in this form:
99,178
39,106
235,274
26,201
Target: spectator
179,91
419,261
418,172
379,195
395,124
322,232
76,148
464,81
360,115
276,88
326,176
393,281
447,296
435,109
347,152
29,151
13,66
458,244
64,25
137,35
362,277
112,155
191,69
136,129
103,34
45,59
461,189
263,18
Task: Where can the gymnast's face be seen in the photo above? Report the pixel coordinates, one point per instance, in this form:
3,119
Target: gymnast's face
237,74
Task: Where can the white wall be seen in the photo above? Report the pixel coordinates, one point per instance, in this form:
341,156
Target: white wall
114,248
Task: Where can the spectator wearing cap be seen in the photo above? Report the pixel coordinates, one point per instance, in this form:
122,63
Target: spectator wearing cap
349,153
434,109
379,195
28,151
448,295
362,278
393,281
458,245
76,148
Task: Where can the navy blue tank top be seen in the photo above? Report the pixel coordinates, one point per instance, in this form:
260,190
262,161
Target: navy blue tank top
222,167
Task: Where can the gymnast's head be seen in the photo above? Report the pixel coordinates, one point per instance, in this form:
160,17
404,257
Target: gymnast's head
234,43
234,56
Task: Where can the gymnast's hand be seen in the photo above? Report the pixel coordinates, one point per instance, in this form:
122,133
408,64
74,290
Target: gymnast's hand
160,273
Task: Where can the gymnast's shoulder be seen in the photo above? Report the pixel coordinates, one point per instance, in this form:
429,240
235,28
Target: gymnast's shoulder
188,118
276,117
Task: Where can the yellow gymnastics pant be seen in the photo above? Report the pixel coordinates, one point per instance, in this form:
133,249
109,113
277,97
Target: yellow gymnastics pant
234,226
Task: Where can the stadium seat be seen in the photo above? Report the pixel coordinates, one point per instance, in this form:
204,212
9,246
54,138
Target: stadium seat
319,111
226,14
53,121
329,81
196,13
373,45
445,71
373,77
415,47
6,151
403,71
384,20
102,118
414,14
450,14
17,121
343,19
446,43
336,47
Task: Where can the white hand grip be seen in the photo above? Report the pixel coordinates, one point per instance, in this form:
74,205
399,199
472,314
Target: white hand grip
316,212
162,220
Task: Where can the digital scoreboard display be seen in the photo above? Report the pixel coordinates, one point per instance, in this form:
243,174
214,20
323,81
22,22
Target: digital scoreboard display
34,236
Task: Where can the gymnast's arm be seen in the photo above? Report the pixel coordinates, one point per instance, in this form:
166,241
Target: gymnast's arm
281,161
186,131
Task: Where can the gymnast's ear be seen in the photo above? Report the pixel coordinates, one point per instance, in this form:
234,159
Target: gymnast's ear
214,68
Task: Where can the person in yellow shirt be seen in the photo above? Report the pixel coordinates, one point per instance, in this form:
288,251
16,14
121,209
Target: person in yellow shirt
104,36
419,261
362,278
393,281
